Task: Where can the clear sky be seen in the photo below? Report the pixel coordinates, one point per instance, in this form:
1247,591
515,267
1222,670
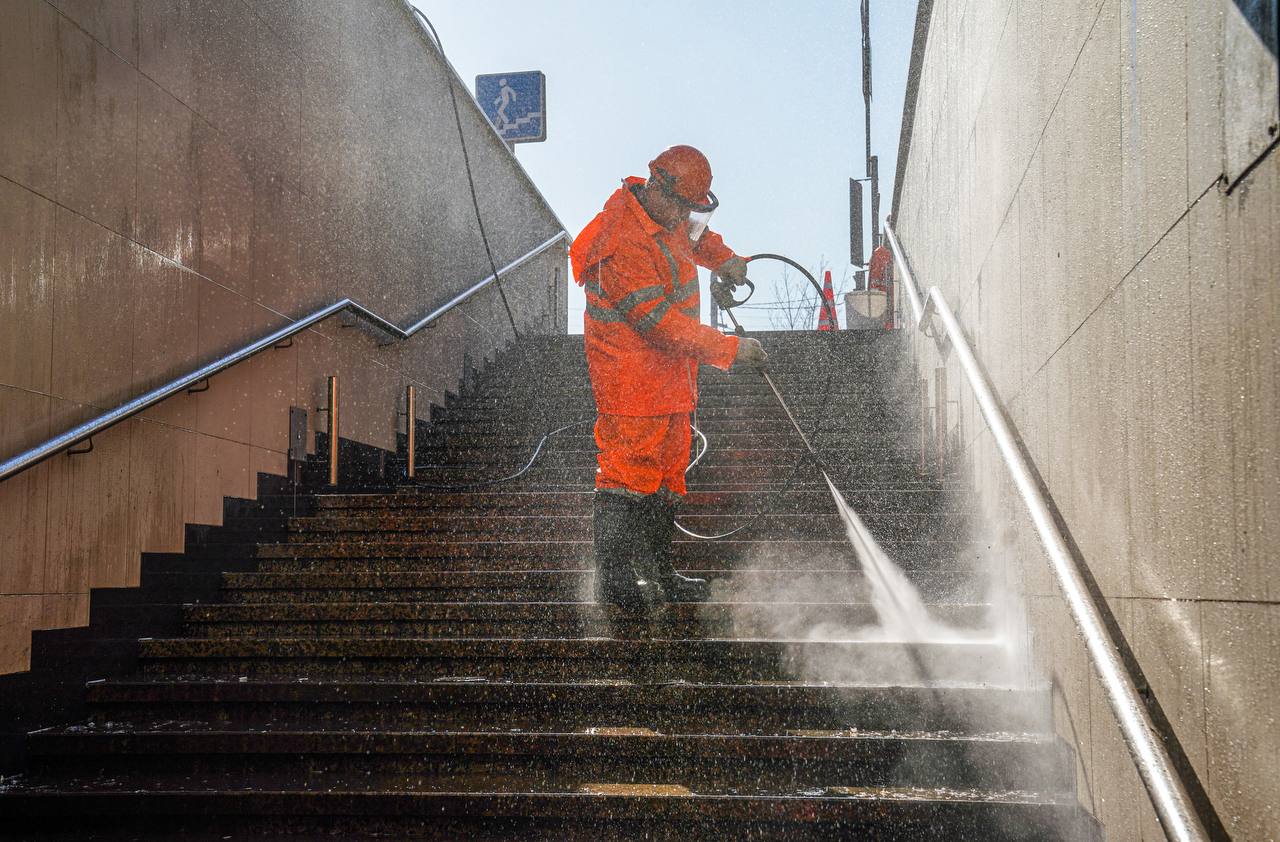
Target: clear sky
770,91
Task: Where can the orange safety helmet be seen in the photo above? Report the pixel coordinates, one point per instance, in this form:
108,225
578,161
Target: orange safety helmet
684,174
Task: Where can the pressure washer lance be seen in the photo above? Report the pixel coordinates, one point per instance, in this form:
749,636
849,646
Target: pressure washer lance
722,292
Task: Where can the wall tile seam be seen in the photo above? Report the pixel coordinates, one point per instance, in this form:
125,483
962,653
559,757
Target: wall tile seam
170,263
1043,130
47,593
286,43
1116,286
94,38
973,132
128,237
973,128
142,74
1200,600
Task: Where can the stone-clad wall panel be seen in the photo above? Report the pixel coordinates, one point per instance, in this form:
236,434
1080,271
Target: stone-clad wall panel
179,177
1125,305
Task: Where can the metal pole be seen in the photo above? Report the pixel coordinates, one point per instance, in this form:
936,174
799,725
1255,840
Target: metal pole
940,432
333,429
924,426
410,429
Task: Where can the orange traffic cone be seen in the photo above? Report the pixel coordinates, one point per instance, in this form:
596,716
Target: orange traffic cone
827,319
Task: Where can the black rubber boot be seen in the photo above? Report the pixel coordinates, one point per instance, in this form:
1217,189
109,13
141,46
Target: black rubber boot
625,571
662,531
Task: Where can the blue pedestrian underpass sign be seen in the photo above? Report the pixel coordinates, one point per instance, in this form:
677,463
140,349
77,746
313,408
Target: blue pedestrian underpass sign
516,104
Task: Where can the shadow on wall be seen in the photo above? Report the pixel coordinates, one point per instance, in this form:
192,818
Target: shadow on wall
1263,17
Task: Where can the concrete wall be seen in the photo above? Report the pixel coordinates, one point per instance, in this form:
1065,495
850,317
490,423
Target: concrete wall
1066,188
179,177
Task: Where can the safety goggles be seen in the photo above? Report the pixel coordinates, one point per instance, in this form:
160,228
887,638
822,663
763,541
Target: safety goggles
699,213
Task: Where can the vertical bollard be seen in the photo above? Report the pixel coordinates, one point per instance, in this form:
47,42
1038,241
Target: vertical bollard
940,396
333,430
924,425
410,428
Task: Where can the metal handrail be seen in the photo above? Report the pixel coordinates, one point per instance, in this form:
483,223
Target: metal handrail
1168,793
57,444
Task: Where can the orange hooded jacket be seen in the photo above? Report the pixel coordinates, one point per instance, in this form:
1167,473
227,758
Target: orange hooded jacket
643,337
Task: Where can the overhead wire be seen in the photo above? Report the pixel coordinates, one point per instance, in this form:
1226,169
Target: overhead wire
471,181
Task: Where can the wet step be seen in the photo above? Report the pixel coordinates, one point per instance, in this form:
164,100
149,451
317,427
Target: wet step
865,422
774,492
712,393
650,811
751,585
924,556
651,660
794,474
738,708
570,585
559,454
741,620
808,409
578,527
435,761
730,501
688,552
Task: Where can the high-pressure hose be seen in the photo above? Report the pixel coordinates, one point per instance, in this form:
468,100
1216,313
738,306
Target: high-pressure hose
727,303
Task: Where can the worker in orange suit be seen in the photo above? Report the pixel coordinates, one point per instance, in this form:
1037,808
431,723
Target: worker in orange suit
637,261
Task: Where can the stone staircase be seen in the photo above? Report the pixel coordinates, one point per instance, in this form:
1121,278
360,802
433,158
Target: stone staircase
420,662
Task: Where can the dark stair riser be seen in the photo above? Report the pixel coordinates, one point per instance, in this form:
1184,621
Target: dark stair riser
754,585
438,762
722,503
740,552
582,452
578,527
583,476
568,660
581,818
716,620
670,708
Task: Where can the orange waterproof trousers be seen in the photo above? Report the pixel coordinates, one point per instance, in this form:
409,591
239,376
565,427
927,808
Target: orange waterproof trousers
643,454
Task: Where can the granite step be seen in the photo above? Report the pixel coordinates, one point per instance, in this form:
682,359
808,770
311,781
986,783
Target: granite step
736,708
731,620
613,753
644,660
652,812
569,585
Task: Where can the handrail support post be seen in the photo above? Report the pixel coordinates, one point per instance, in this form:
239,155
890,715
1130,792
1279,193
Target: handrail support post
410,430
940,425
332,409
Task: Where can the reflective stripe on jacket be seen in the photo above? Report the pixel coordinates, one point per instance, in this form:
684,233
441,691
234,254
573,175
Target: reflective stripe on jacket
644,339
